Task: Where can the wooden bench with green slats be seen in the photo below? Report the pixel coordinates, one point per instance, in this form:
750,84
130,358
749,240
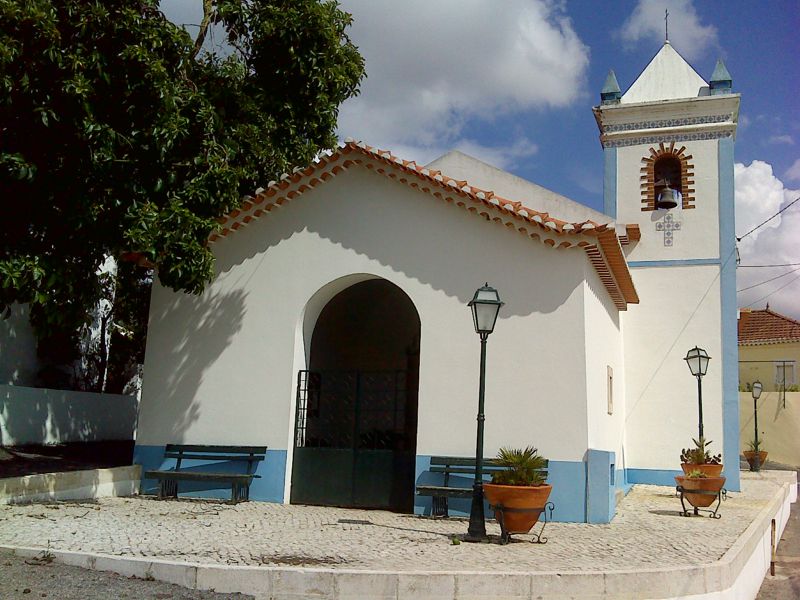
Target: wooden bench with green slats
240,482
454,465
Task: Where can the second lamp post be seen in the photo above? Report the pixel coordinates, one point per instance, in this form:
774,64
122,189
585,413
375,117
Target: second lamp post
697,359
757,387
485,305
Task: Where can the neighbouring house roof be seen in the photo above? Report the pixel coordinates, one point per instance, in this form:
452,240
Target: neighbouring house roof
667,77
758,327
601,242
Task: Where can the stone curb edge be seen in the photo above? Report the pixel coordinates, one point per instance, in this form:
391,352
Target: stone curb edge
745,545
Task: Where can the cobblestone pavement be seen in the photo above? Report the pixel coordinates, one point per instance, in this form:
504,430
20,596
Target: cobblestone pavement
647,533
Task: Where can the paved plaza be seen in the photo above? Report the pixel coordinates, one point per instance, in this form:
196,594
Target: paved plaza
647,533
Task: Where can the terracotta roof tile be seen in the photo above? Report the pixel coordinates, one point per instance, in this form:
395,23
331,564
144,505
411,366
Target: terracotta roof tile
766,327
604,252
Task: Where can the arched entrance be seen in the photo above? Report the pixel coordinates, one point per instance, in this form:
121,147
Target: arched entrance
356,421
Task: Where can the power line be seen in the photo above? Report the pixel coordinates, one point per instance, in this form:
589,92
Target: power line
766,266
739,239
768,280
775,292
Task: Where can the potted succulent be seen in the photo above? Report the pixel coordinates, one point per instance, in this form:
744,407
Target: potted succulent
520,486
755,450
695,483
700,459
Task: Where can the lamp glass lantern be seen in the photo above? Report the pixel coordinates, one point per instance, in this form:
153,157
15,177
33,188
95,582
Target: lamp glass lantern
485,306
757,389
697,359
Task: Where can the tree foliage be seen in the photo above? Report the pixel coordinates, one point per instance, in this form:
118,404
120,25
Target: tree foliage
119,135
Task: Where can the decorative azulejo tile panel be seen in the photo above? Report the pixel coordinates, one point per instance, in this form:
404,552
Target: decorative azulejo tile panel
686,137
669,225
669,123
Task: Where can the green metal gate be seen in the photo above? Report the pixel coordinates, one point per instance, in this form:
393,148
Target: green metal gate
355,439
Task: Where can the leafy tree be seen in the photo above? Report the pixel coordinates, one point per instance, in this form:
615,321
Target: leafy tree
119,135
129,314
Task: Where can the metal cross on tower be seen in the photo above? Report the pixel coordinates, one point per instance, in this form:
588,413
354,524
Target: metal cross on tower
666,25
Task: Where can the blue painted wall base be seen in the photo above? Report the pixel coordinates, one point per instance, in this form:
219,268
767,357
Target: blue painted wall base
583,491
653,476
571,494
601,502
667,477
268,487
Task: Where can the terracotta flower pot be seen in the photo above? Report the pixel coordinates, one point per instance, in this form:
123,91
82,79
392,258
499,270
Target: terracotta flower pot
706,469
751,458
518,496
700,484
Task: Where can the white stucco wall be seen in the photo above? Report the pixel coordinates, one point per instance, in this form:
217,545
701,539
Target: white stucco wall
603,349
699,233
680,308
221,367
778,425
44,416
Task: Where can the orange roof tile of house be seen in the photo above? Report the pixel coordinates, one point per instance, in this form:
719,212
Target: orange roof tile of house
766,327
600,241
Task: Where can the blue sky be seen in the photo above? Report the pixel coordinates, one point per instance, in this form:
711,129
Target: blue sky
512,82
753,38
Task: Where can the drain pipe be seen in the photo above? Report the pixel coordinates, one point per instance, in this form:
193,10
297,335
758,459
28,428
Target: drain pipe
772,550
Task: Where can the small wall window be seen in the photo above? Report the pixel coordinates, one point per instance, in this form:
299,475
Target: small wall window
610,389
785,374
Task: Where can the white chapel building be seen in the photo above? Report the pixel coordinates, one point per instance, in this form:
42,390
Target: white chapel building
336,330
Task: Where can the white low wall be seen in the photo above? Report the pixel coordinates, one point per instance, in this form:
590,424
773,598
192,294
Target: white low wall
44,416
71,485
748,560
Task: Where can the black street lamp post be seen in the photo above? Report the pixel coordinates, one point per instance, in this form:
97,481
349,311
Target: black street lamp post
485,305
697,359
757,387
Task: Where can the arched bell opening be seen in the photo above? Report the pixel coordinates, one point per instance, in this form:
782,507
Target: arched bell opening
667,172
356,419
667,177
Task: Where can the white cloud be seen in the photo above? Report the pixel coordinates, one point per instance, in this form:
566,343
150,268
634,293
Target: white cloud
432,66
781,139
793,172
686,33
759,195
744,121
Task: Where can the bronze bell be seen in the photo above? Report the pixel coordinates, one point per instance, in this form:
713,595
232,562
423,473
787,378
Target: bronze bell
668,198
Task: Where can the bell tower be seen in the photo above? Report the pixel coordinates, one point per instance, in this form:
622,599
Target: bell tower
668,168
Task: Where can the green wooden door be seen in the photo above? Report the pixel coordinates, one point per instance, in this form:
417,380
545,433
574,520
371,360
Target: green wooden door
355,440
